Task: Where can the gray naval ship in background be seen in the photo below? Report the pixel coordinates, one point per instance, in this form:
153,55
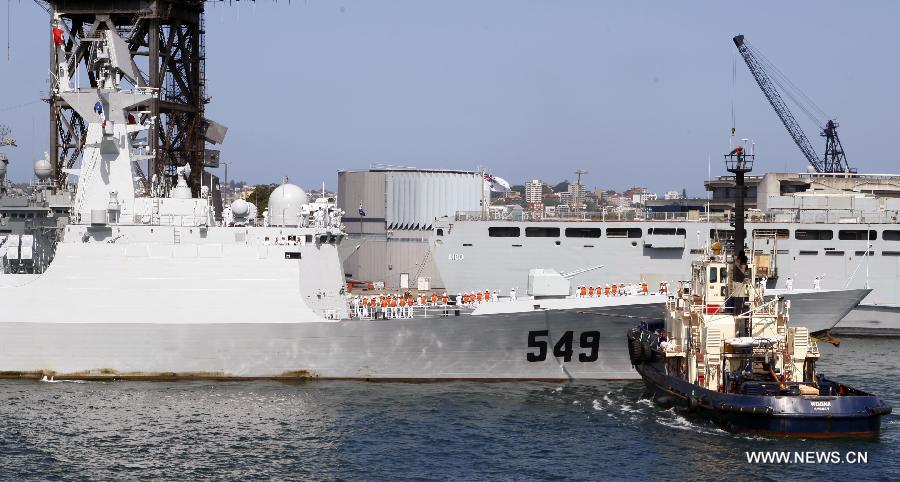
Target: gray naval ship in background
147,284
831,229
30,221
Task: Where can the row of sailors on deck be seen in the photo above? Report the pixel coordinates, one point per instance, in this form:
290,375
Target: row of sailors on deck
401,306
620,289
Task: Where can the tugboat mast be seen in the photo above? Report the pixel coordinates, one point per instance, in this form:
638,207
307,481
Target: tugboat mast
738,162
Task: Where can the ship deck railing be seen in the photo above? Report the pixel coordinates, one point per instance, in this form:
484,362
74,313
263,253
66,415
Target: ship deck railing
781,216
416,311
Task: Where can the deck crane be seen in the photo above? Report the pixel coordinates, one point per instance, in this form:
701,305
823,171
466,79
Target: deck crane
763,71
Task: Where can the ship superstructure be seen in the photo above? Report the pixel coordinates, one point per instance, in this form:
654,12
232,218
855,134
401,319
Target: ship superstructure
817,232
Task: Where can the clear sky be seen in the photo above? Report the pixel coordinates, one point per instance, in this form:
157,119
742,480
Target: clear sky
636,93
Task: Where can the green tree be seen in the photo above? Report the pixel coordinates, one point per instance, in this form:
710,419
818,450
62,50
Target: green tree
260,196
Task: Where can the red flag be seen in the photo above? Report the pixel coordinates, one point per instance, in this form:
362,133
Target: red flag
58,36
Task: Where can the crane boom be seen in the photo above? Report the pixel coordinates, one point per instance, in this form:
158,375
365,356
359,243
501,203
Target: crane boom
834,160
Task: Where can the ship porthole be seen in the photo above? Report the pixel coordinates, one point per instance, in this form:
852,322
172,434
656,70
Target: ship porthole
634,243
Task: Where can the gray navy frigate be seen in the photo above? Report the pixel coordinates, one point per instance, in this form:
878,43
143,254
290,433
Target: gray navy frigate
147,284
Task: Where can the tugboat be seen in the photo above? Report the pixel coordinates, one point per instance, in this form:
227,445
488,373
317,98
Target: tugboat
729,355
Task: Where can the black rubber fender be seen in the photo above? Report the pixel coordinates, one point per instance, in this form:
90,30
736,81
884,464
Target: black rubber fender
882,410
647,353
634,350
759,410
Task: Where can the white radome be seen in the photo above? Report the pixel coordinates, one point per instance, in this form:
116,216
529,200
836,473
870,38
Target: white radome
240,208
285,205
42,169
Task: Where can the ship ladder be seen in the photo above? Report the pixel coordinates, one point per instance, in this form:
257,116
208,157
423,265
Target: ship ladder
422,264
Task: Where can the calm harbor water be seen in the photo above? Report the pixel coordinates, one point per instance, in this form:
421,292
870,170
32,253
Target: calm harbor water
340,430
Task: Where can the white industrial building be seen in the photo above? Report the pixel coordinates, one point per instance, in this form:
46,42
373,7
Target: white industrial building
390,243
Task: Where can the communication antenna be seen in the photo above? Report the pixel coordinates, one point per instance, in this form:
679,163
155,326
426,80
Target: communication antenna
578,173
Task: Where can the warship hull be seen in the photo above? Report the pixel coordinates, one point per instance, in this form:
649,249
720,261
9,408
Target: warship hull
235,302
523,346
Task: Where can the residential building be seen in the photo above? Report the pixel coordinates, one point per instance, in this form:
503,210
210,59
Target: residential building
534,191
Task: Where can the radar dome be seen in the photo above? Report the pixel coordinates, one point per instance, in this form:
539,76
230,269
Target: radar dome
240,208
43,169
285,205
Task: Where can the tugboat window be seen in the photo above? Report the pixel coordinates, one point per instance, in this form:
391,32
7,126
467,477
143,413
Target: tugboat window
712,275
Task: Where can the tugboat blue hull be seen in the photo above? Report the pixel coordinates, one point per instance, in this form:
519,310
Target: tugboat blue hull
849,413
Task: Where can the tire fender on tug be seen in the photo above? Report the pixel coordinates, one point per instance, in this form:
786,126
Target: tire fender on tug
635,351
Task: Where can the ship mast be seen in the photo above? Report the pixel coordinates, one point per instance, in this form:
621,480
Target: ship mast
739,162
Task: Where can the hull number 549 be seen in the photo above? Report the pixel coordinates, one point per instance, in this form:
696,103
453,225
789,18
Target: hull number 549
564,348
